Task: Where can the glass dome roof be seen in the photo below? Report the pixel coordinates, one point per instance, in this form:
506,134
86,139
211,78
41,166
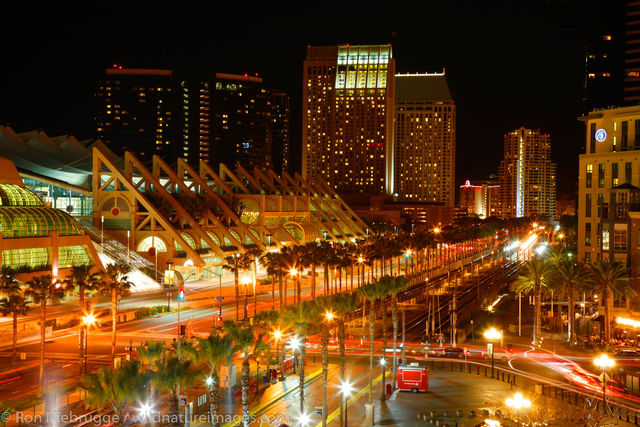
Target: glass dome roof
14,195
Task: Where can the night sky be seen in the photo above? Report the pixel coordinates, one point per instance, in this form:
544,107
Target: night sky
508,63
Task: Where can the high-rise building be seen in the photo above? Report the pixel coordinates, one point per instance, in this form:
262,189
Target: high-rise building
232,118
279,126
347,125
480,197
424,139
136,112
527,175
632,53
608,193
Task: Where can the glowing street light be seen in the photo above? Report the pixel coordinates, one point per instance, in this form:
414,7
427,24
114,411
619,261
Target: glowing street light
144,410
604,362
88,320
492,335
383,362
329,316
208,381
293,271
304,419
346,389
436,230
518,402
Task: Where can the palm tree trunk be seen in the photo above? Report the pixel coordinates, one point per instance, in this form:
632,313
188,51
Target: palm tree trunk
15,335
214,400
285,291
246,303
114,315
303,353
371,332
384,347
313,280
325,369
571,317
299,287
43,320
174,410
245,392
607,319
280,292
237,284
273,292
82,310
394,320
343,360
537,329
326,279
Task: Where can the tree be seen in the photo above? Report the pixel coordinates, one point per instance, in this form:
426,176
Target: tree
213,351
173,375
342,304
261,348
301,316
232,264
243,340
611,280
382,290
250,260
270,262
325,308
115,388
85,281
567,277
116,285
13,304
370,293
534,279
395,286
41,290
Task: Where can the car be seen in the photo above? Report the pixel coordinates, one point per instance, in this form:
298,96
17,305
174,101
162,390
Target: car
454,352
433,351
627,354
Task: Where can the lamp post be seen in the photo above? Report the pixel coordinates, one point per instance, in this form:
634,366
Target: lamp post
293,272
345,390
245,282
360,261
102,234
604,362
407,255
492,335
383,363
88,320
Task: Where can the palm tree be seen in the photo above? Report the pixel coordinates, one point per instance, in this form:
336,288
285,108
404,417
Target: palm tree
117,285
213,351
250,260
41,289
301,316
325,306
115,388
16,305
534,279
232,264
370,293
395,285
342,304
243,340
173,375
261,348
567,277
611,279
270,263
85,281
382,289
312,257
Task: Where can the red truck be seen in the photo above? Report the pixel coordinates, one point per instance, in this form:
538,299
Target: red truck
413,377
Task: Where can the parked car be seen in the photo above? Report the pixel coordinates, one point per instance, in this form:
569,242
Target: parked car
627,354
455,352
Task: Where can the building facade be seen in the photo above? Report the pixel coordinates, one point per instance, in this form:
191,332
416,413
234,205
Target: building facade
527,176
347,125
480,198
136,111
608,176
424,139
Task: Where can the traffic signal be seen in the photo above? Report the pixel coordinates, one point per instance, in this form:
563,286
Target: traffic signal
219,312
181,294
183,330
88,306
219,319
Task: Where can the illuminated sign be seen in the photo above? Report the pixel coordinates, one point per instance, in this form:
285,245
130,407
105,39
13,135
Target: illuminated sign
601,135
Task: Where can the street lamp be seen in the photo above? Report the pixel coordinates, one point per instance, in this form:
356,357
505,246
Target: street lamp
277,335
293,272
294,345
360,261
492,335
604,362
304,419
407,254
346,389
144,410
88,320
518,402
329,316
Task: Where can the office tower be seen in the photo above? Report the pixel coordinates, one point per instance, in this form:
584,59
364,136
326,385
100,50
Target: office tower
425,139
233,118
136,112
527,175
347,125
480,197
279,126
608,193
632,53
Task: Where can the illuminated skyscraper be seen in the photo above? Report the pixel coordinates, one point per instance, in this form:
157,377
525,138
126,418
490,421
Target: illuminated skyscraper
527,175
347,125
425,139
136,112
234,118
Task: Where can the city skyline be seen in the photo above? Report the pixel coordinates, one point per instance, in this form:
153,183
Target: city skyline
489,83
